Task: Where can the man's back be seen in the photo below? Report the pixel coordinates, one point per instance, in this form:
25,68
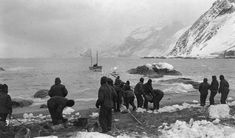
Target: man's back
58,90
105,97
204,87
138,88
5,103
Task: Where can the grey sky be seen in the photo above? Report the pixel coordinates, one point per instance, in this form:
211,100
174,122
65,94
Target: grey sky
39,28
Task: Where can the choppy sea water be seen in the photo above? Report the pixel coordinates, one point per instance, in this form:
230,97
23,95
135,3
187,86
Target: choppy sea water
26,76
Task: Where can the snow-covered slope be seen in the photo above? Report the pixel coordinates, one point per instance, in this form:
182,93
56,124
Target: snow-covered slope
211,34
147,41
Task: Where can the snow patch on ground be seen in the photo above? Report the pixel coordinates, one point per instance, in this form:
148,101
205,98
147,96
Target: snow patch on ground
100,135
219,111
171,108
196,129
68,111
94,115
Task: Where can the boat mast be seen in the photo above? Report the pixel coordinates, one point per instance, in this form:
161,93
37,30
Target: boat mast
91,57
97,57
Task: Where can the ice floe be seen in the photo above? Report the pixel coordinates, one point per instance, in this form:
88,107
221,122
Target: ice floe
196,129
219,111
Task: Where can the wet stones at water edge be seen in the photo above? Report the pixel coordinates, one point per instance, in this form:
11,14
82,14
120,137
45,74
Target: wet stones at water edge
2,69
18,102
41,94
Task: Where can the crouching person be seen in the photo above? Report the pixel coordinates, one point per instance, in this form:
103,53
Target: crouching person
56,106
5,104
157,97
128,96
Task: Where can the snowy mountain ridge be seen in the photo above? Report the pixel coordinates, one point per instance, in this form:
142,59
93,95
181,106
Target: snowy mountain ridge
147,41
213,32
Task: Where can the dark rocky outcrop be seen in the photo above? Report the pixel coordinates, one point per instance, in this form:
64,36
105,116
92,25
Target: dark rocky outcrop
153,72
183,80
41,94
18,102
43,106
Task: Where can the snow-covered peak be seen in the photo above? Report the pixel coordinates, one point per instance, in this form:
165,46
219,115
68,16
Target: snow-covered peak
213,32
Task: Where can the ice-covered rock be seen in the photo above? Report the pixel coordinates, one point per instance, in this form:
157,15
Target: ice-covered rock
195,101
230,99
197,129
68,111
91,135
216,121
155,69
219,111
20,102
231,103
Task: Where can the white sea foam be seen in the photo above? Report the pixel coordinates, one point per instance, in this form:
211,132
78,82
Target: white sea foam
19,68
179,88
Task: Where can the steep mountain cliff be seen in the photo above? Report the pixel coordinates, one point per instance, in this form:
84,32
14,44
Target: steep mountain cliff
212,34
147,41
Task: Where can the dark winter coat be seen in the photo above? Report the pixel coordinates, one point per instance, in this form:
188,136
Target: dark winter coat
138,88
214,85
58,90
5,103
204,87
224,86
57,102
105,97
147,89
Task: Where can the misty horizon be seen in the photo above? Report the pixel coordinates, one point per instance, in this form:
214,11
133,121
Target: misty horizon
40,28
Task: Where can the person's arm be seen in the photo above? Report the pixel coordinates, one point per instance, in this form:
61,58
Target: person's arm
200,88
50,92
9,105
65,92
100,98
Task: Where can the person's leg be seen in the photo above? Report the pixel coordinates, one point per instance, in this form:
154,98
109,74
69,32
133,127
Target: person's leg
126,101
132,102
53,114
109,119
212,95
224,96
102,119
3,118
145,103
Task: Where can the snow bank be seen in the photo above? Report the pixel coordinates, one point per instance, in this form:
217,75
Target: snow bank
101,135
68,111
171,108
219,111
47,137
197,129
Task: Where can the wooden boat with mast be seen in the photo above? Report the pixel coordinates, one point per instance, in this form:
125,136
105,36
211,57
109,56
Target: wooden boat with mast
95,67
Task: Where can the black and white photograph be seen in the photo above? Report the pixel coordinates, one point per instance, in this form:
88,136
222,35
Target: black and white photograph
117,68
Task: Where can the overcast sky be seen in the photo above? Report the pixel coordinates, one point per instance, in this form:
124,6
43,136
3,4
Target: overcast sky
40,28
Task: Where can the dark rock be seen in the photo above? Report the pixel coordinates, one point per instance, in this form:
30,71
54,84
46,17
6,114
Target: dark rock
41,94
43,106
183,80
2,69
17,102
152,73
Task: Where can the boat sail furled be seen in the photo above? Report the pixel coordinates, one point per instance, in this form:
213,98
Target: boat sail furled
95,67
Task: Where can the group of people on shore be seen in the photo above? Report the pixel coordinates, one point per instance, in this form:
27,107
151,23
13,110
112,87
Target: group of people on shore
215,87
112,95
5,104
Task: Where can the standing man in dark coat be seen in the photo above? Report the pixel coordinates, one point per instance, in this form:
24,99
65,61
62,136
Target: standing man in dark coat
105,103
147,87
223,89
203,89
117,81
5,103
138,90
56,105
58,89
214,89
113,92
